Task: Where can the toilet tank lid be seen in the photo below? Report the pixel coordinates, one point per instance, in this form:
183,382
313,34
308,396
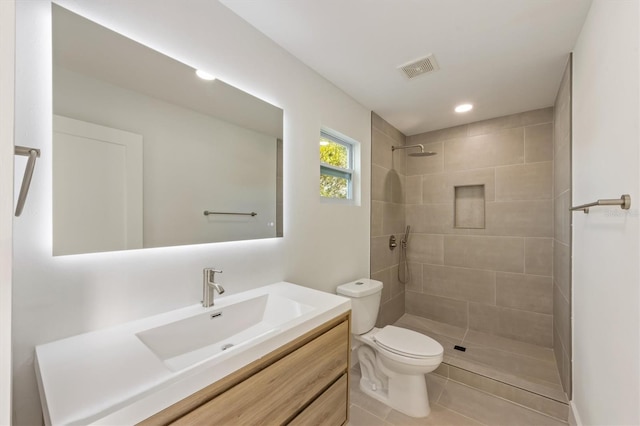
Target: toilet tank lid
359,288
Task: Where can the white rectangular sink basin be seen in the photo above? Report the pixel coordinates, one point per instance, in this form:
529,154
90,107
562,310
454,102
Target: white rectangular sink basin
188,341
126,373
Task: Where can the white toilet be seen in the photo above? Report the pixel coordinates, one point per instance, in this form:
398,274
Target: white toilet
393,360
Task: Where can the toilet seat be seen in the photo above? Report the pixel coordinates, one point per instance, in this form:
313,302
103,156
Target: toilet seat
407,343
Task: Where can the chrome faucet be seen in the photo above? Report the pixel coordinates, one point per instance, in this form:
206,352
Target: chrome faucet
209,285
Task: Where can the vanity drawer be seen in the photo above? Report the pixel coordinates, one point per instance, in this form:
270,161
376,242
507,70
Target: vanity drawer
275,394
329,409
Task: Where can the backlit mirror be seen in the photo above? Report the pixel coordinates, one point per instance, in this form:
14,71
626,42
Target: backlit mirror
147,154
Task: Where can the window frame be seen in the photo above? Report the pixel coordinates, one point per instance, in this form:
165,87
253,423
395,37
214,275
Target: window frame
346,173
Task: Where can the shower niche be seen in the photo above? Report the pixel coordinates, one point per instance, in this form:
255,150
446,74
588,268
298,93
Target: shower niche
469,207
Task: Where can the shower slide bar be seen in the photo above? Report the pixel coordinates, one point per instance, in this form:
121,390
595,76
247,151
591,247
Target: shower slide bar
207,213
33,154
624,202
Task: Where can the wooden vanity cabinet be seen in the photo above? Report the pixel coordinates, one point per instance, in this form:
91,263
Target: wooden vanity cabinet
305,382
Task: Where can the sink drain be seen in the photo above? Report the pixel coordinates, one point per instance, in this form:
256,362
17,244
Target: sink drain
227,346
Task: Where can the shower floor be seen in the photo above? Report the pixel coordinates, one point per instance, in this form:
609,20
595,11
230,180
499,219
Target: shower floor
514,370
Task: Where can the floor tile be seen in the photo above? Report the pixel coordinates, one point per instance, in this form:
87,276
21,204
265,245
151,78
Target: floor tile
524,365
519,365
528,399
361,417
489,409
509,345
440,416
550,390
435,385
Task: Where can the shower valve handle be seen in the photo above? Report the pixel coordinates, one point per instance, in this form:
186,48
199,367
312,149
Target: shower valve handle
392,242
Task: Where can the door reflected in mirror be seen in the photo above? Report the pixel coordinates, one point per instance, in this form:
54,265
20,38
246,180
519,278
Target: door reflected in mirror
142,147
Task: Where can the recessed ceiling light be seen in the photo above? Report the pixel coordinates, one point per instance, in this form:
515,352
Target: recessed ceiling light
464,108
204,75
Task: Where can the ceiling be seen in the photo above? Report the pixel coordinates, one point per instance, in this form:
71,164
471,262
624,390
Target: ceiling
504,56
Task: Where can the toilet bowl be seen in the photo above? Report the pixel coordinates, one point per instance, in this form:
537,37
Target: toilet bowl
393,360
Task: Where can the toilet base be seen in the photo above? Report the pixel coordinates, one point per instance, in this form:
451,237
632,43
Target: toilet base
407,394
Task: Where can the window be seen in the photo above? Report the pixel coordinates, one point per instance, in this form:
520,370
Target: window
336,166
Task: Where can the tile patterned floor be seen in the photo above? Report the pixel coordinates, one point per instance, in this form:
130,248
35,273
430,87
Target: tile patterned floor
509,361
452,404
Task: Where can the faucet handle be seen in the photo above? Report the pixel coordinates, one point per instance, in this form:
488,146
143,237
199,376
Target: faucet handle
210,273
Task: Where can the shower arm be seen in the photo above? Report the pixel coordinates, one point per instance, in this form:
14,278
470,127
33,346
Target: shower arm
393,148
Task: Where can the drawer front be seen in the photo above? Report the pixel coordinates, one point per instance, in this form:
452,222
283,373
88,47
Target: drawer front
330,409
275,394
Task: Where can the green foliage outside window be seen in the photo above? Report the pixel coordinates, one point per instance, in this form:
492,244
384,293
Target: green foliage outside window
335,154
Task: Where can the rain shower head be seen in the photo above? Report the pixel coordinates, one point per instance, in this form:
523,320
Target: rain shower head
422,152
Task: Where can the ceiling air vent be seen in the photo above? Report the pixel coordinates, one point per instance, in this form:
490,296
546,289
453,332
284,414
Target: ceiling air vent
419,67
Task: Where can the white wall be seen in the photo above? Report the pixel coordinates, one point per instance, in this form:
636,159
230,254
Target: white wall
606,278
7,51
324,244
192,162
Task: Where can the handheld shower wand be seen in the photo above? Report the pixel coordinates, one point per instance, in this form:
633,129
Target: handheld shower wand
403,258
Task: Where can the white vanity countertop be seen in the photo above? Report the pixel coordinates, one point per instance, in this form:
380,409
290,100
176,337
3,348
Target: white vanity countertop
110,377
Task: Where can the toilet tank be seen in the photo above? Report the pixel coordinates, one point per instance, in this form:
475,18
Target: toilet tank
365,296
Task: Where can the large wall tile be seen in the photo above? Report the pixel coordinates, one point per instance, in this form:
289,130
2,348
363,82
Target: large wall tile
393,186
562,268
397,287
538,143
460,283
566,376
496,149
527,292
379,123
528,118
383,277
424,165
376,218
379,190
438,135
426,248
562,218
381,256
562,170
562,318
520,218
441,309
524,182
414,282
515,324
392,218
537,116
413,189
391,311
439,188
381,149
430,218
492,253
538,256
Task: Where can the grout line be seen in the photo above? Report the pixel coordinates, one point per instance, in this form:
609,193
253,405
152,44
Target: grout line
512,402
463,415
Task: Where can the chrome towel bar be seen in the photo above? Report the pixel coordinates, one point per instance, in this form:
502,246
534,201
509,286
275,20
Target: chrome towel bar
207,213
624,202
32,153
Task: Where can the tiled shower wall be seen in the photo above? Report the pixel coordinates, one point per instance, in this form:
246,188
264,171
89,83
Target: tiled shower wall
387,215
497,279
562,231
